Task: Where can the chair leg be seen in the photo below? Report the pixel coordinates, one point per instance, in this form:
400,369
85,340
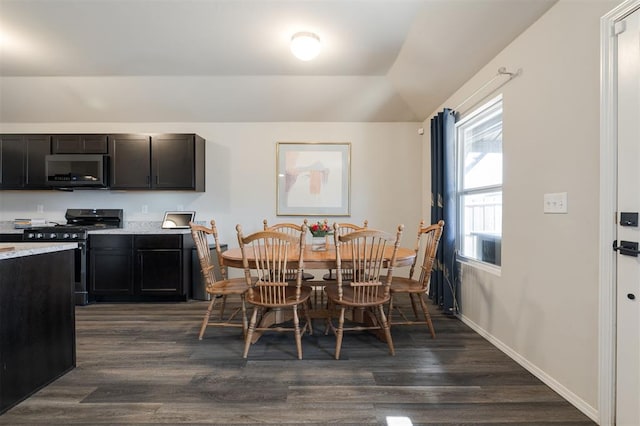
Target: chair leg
222,306
413,306
387,329
340,332
245,325
308,317
327,323
296,327
252,327
427,316
390,311
207,315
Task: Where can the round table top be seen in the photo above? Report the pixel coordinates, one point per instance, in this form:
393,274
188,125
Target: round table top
319,259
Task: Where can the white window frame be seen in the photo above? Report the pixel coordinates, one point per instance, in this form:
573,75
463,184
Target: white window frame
488,107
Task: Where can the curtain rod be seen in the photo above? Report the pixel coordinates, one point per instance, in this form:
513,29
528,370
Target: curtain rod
502,71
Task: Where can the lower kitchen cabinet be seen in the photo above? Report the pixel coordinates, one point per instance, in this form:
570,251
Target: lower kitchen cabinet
110,266
160,264
139,267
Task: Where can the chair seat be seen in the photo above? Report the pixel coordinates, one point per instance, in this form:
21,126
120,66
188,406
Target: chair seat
406,285
347,297
230,286
290,277
305,293
331,276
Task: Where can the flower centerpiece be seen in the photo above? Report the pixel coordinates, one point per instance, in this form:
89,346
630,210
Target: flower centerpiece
319,229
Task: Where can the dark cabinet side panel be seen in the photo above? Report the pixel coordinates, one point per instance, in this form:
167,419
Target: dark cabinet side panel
37,323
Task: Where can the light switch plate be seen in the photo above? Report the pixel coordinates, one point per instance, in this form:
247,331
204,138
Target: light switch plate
555,203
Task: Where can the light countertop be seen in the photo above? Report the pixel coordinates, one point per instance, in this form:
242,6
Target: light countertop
20,249
136,227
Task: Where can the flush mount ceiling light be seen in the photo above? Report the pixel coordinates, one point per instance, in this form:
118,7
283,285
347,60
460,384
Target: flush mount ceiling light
305,45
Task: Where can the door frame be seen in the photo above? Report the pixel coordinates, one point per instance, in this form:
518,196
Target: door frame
608,181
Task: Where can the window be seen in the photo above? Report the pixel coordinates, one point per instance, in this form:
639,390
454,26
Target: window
479,183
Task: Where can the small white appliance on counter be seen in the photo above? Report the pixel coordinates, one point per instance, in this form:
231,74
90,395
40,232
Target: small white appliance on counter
177,220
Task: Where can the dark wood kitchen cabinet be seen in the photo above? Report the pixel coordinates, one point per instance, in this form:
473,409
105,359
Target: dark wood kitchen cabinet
159,266
162,162
22,161
79,144
110,266
141,267
37,324
130,162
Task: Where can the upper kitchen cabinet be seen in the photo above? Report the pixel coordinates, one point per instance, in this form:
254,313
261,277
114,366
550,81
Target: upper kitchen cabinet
22,161
79,144
177,162
164,161
130,162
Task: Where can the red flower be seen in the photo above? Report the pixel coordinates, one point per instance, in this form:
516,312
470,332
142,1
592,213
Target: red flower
319,229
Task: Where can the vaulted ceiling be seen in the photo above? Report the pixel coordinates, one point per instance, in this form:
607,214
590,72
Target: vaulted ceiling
229,60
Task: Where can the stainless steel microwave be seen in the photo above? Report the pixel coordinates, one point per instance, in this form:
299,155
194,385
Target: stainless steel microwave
77,171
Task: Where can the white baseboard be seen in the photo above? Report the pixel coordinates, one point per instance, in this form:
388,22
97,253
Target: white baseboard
574,399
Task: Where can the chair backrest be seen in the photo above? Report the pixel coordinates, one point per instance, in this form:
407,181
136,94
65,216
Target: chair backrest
200,236
269,253
345,227
363,255
287,228
426,250
291,229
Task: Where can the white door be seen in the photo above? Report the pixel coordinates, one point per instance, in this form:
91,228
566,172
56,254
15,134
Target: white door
628,267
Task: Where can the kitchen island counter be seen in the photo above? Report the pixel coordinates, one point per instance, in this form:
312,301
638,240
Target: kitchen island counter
19,249
37,317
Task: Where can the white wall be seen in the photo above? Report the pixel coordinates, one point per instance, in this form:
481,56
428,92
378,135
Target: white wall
386,184
543,308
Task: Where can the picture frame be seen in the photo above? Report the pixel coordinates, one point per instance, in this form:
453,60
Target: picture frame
313,179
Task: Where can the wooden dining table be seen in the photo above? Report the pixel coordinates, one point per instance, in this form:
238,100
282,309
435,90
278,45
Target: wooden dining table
313,259
318,259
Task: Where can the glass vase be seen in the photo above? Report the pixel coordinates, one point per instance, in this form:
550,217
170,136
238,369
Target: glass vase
319,243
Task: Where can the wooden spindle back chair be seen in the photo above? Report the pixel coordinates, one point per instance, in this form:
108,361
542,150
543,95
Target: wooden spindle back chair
270,255
365,260
217,288
418,287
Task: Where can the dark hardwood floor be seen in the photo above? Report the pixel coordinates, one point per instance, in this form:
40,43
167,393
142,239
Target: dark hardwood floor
143,364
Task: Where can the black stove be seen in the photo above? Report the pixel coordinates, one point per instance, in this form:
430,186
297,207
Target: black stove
79,223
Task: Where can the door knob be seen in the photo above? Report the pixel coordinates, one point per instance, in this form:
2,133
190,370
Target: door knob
631,296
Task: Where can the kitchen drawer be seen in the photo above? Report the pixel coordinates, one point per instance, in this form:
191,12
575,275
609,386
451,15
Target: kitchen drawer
158,241
97,241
